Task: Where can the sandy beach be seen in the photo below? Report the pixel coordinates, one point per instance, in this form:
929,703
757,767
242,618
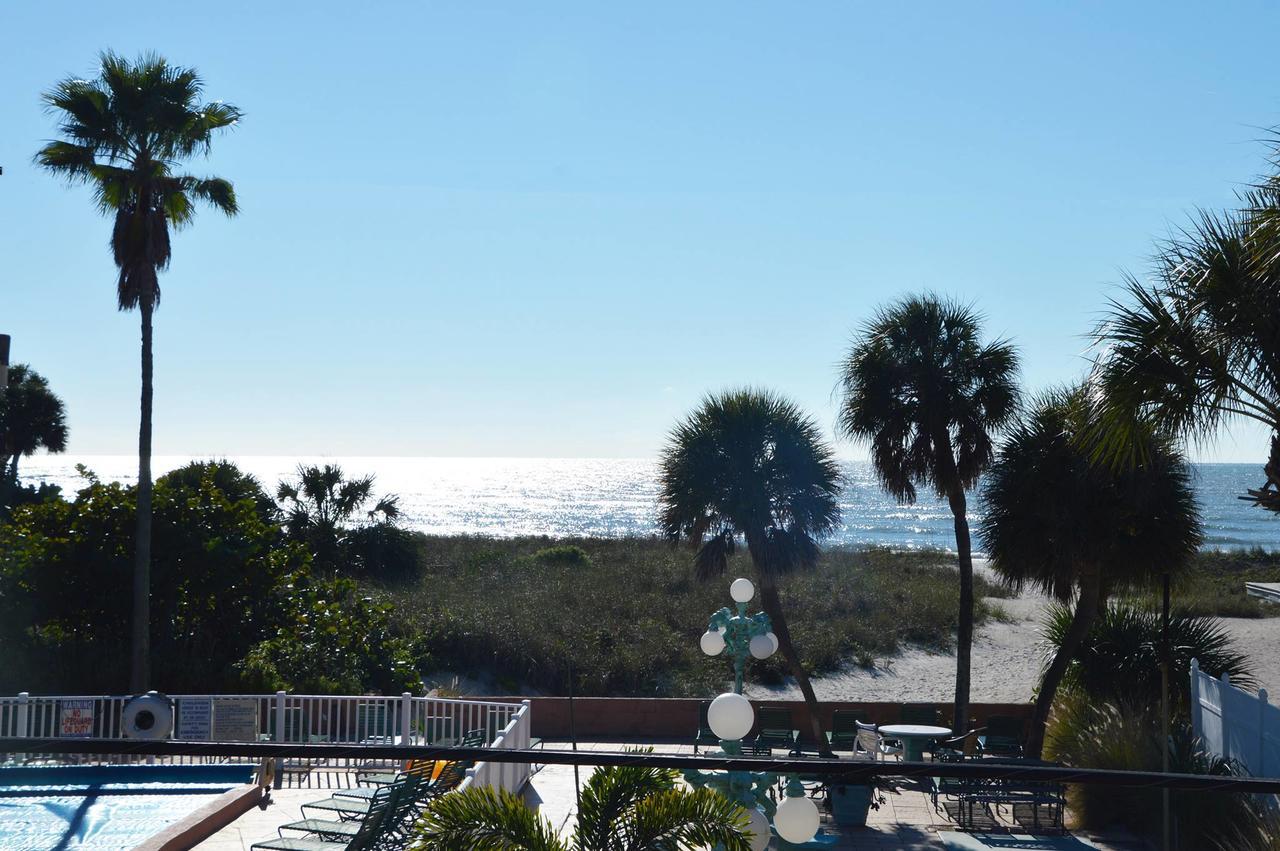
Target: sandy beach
1006,662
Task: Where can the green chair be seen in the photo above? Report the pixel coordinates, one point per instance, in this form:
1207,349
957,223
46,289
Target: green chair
367,834
775,729
843,734
1002,736
704,736
919,713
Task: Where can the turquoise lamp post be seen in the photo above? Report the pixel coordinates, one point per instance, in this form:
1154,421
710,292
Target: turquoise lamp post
731,717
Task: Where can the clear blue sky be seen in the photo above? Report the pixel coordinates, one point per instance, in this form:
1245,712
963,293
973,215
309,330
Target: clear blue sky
548,228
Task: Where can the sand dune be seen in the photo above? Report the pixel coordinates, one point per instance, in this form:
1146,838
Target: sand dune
1006,663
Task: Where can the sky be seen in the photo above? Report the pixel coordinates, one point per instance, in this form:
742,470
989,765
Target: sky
548,229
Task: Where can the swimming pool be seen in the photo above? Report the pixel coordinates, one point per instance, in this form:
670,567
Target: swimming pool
105,808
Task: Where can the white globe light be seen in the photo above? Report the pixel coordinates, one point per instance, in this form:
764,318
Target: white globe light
731,716
762,647
773,640
742,590
712,642
796,820
758,825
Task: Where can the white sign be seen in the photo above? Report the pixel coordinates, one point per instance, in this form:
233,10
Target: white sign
235,720
195,719
76,719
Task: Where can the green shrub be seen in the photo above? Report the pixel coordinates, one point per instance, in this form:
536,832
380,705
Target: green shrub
1119,661
330,639
1125,737
66,572
565,554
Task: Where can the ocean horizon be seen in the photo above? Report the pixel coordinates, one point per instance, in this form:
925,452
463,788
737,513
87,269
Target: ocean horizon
617,497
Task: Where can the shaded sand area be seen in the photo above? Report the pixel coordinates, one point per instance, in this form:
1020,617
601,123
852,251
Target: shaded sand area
1006,662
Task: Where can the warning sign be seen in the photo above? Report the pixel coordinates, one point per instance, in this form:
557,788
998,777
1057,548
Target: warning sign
76,719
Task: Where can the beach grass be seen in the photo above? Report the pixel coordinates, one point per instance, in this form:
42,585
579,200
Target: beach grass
625,615
1214,585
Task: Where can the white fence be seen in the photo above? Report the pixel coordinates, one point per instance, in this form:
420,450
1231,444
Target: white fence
506,775
1236,724
287,718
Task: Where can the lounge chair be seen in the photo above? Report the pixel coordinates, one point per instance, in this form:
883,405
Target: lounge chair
370,831
775,729
382,776
843,734
1002,737
870,745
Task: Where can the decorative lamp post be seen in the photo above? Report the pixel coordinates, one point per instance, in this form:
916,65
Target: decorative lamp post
731,717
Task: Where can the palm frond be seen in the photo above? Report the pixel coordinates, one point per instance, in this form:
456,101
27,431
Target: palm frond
482,818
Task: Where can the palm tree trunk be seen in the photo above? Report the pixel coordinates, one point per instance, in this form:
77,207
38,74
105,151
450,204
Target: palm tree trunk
140,668
1087,607
964,626
772,606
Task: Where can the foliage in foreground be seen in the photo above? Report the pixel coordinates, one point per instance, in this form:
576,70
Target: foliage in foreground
1122,736
629,623
1119,660
232,599
624,808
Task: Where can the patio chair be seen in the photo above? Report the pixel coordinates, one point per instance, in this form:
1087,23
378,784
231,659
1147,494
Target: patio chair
843,734
368,833
1001,737
775,729
919,713
704,735
870,745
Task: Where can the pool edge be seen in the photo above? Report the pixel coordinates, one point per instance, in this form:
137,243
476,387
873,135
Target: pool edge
198,826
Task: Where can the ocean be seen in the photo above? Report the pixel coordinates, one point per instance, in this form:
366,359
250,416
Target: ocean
609,498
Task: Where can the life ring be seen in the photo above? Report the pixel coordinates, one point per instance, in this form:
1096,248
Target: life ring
148,716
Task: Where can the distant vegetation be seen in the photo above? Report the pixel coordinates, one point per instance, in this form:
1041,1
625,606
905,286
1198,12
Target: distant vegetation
629,623
1214,584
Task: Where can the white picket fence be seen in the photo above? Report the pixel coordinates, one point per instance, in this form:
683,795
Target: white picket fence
1234,723
287,718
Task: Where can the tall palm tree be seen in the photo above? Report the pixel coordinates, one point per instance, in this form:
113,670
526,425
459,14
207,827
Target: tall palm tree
126,133
624,808
747,464
32,417
1058,520
1197,346
926,394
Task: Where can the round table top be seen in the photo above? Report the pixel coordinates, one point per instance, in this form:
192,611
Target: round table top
924,731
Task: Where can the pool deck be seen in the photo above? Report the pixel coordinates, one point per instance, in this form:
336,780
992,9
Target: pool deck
907,820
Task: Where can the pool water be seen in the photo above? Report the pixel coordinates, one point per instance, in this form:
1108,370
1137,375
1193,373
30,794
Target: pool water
103,807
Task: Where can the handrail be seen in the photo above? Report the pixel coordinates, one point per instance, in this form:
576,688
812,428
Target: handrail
841,770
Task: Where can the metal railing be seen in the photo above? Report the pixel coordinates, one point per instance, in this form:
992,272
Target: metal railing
282,718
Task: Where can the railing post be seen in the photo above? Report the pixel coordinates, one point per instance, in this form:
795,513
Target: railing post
1197,720
406,709
23,709
279,737
1262,733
